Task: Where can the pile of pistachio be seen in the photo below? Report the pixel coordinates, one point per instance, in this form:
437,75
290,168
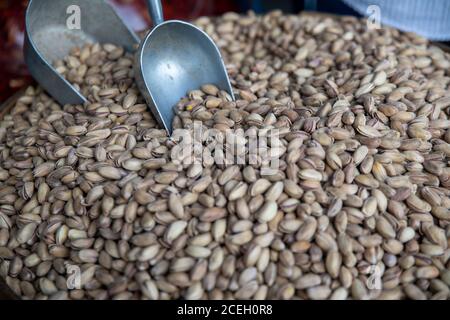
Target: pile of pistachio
95,202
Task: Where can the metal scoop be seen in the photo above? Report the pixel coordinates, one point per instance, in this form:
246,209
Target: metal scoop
49,37
174,58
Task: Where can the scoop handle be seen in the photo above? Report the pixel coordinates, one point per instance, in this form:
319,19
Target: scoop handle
156,11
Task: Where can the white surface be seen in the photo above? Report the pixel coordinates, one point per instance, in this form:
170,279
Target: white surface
429,18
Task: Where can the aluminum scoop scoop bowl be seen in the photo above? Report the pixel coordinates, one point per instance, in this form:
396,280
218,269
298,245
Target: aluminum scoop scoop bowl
174,58
48,38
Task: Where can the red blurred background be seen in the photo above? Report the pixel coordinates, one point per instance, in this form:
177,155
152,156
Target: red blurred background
13,72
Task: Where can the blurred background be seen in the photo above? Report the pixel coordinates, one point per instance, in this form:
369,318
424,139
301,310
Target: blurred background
13,73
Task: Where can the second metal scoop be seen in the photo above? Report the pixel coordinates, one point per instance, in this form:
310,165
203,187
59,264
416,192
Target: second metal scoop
174,58
49,38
